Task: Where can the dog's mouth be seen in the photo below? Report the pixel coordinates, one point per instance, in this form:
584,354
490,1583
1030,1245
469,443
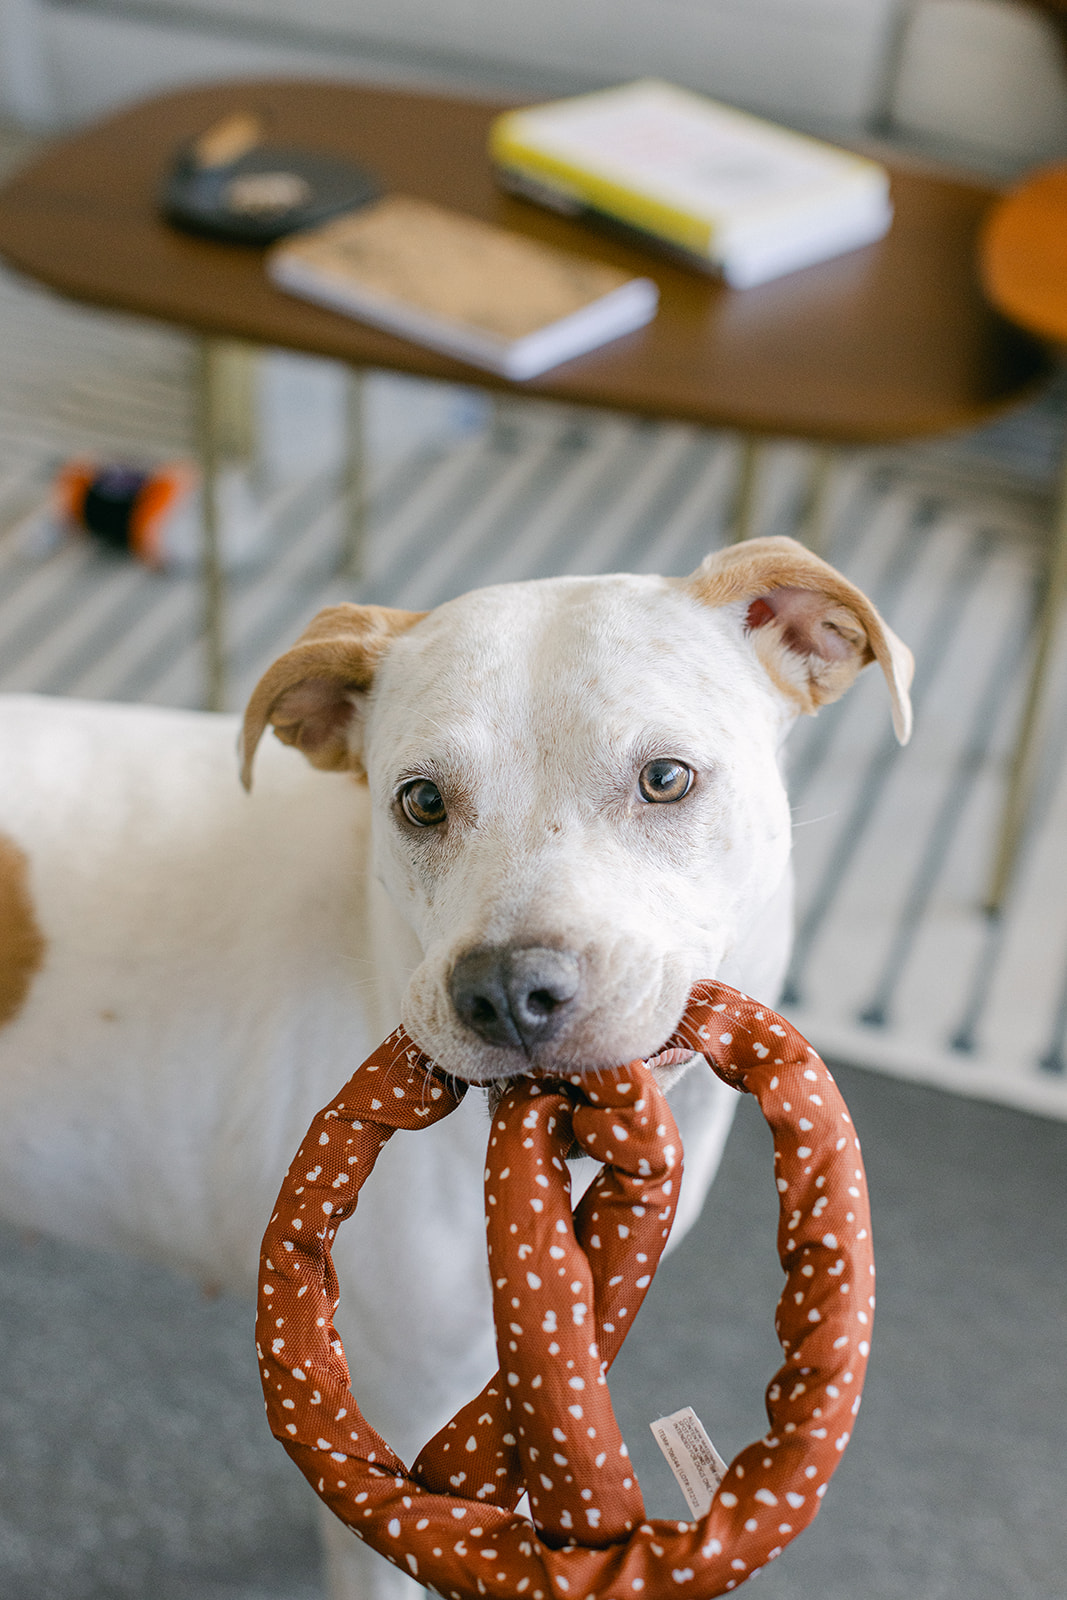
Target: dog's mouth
668,1061
678,1057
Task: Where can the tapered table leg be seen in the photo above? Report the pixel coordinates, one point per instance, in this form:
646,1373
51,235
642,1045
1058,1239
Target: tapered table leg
210,388
354,531
1026,755
743,513
226,430
814,528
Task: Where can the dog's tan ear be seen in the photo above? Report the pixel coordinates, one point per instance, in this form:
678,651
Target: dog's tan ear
311,695
811,629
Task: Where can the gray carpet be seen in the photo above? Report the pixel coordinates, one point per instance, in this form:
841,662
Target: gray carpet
136,1463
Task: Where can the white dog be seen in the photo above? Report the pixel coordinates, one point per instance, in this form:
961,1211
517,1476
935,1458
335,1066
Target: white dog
553,807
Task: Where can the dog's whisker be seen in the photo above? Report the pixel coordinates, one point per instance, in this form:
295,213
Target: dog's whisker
347,959
810,822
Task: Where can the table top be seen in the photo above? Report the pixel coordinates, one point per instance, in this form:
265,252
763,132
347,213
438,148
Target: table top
888,342
1024,254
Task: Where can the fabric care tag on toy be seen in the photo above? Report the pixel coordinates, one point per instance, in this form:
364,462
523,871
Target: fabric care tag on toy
691,1456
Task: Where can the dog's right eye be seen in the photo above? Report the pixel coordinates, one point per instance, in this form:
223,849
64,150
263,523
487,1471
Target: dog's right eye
421,803
665,781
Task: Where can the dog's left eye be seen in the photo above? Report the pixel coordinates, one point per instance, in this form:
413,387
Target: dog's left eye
421,803
665,780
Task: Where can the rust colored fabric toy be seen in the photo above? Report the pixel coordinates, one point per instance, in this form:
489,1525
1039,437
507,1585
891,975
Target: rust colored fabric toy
566,1287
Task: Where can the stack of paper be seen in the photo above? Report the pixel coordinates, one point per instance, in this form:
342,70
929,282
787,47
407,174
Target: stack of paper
735,194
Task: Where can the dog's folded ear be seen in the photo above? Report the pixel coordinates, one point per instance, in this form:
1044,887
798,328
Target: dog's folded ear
312,695
811,629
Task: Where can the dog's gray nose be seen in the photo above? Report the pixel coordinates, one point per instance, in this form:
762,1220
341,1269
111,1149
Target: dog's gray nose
516,998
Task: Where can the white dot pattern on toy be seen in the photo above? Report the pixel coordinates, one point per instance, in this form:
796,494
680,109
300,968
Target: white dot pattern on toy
566,1288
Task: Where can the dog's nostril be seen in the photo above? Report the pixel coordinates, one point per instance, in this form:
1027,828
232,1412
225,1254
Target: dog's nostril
514,998
542,1002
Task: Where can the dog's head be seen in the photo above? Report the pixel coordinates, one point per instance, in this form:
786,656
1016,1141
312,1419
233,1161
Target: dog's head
576,796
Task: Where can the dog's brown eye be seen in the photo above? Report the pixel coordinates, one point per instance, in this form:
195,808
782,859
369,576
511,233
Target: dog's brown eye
665,780
421,803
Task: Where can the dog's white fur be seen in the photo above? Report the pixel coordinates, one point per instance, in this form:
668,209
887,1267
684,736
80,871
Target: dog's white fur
215,963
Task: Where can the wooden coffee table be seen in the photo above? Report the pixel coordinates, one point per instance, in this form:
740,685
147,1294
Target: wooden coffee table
890,342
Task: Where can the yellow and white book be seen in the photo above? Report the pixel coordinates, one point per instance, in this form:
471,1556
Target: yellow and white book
450,281
733,193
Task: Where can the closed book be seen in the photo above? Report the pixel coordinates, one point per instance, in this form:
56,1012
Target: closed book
733,193
450,281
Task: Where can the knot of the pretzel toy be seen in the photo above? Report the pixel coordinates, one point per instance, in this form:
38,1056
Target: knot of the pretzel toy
566,1287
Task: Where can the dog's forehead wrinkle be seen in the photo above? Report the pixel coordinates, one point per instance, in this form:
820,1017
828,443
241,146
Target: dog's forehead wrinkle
554,635
561,686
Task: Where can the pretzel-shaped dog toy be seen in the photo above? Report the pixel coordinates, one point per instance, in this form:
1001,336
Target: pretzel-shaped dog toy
565,1290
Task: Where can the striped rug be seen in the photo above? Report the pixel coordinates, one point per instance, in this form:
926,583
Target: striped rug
896,968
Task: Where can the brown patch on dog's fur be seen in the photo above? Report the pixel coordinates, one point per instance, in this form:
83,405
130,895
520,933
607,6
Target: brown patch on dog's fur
22,944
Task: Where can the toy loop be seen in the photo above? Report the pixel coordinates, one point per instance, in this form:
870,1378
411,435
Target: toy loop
566,1287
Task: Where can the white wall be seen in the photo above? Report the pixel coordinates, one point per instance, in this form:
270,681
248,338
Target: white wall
987,74
818,61
981,81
